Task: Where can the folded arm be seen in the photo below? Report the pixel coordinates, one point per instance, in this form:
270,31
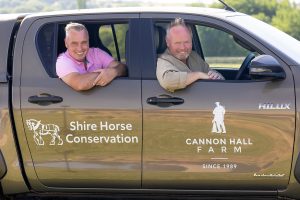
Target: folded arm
80,82
106,75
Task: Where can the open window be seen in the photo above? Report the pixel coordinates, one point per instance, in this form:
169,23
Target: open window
110,37
224,52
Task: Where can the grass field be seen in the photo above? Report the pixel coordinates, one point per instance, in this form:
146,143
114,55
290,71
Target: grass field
224,62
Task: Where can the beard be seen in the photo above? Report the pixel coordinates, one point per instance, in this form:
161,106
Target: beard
182,56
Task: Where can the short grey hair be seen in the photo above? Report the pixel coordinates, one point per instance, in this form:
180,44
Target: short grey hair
178,22
74,26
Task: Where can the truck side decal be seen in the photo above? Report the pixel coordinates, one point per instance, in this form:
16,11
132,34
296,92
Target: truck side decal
40,130
218,121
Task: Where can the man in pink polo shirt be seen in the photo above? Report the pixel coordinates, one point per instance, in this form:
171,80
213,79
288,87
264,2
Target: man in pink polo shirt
82,67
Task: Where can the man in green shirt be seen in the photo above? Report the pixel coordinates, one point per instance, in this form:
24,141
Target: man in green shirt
179,66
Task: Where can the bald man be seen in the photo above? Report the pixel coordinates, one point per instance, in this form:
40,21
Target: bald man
179,66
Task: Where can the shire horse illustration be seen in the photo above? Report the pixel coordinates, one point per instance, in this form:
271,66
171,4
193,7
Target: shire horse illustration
40,130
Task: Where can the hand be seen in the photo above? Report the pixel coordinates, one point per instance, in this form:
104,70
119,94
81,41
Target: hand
105,76
202,75
215,75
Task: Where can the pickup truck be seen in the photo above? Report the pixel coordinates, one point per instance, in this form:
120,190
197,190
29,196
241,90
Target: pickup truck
232,138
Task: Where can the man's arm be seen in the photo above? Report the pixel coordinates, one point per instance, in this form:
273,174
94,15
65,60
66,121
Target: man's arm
113,70
168,75
80,82
171,79
120,68
194,76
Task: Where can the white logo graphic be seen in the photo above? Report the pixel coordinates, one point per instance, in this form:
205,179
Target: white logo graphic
274,106
40,130
218,121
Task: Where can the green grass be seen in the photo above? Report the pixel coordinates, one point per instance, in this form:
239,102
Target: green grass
224,62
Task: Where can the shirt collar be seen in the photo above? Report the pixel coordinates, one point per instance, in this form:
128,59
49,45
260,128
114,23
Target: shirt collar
76,61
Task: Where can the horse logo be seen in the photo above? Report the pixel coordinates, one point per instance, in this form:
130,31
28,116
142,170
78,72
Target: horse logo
40,130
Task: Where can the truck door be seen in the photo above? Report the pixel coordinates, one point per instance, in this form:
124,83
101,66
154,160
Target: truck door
70,139
232,134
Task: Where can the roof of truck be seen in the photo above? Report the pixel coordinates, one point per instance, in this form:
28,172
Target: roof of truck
180,10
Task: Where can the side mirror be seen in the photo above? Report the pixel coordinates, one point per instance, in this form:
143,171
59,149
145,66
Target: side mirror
265,67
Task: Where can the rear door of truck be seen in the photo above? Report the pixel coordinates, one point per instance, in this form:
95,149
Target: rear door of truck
71,139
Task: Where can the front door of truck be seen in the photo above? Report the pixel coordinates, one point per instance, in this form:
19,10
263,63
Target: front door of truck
231,134
89,139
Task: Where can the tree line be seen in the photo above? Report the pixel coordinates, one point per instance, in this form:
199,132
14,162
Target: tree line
282,14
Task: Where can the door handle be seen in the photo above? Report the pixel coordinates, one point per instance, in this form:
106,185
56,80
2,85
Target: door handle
44,99
165,101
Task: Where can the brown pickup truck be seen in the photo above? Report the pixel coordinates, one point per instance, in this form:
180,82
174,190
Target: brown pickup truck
233,138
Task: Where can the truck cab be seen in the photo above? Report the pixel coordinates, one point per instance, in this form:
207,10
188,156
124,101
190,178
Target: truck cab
232,137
